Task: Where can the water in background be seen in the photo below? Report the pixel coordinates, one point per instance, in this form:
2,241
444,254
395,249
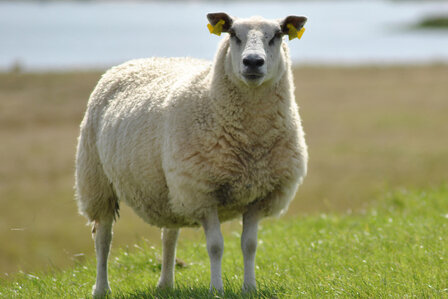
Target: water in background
51,35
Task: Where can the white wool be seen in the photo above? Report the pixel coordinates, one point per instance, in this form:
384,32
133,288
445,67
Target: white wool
175,137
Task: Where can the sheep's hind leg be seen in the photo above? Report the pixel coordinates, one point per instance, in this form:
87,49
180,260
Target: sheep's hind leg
215,248
249,247
169,240
103,236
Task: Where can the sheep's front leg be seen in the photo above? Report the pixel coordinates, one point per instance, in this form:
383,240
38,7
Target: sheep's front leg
249,247
215,248
169,240
103,236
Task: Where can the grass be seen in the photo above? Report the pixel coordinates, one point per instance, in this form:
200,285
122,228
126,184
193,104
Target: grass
369,130
395,249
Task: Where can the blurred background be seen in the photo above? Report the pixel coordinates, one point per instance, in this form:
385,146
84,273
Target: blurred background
60,35
371,82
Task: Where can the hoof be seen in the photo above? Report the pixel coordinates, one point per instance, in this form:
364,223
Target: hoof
249,288
217,291
165,285
100,292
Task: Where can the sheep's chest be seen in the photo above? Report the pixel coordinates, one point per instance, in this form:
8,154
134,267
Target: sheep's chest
246,173
240,190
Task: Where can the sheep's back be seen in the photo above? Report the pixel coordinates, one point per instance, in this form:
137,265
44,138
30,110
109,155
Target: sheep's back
128,110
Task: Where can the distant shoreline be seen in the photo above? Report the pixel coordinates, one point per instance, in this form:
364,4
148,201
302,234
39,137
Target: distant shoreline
59,36
18,69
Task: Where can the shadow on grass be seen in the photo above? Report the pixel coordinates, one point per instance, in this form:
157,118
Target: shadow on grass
202,292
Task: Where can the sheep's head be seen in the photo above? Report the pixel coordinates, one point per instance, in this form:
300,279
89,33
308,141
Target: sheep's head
255,53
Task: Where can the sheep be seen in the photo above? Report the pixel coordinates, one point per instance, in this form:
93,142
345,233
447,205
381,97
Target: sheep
187,142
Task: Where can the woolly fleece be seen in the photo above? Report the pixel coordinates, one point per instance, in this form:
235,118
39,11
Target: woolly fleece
174,137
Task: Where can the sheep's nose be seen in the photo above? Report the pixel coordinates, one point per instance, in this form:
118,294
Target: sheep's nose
253,61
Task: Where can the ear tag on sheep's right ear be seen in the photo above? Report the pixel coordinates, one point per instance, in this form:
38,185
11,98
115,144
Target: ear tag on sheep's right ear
293,33
217,29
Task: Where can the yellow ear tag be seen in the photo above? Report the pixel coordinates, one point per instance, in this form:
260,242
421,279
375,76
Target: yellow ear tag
300,33
293,33
217,29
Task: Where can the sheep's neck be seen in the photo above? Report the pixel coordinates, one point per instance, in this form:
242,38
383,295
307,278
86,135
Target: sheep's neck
234,103
251,121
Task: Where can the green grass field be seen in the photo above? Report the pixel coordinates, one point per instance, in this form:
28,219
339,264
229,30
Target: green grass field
396,249
369,130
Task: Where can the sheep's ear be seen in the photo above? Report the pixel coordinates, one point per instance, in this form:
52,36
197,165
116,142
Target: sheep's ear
219,22
293,26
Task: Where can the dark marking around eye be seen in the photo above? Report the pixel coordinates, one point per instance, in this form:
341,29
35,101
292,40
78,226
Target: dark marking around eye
277,35
233,36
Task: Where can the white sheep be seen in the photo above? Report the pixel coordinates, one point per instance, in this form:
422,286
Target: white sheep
187,142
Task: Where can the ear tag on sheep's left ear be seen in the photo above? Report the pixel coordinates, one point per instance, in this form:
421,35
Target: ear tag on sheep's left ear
217,29
293,33
300,33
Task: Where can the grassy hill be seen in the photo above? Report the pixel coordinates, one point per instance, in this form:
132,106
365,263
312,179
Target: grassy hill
398,249
369,130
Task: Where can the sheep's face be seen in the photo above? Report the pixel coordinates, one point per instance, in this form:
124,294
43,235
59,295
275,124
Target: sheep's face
255,54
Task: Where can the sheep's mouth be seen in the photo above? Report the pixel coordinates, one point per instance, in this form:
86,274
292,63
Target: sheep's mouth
253,76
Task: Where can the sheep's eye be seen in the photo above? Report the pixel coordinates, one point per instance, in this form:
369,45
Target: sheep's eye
233,36
276,36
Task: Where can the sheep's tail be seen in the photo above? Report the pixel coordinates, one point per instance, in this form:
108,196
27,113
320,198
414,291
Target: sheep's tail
94,192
